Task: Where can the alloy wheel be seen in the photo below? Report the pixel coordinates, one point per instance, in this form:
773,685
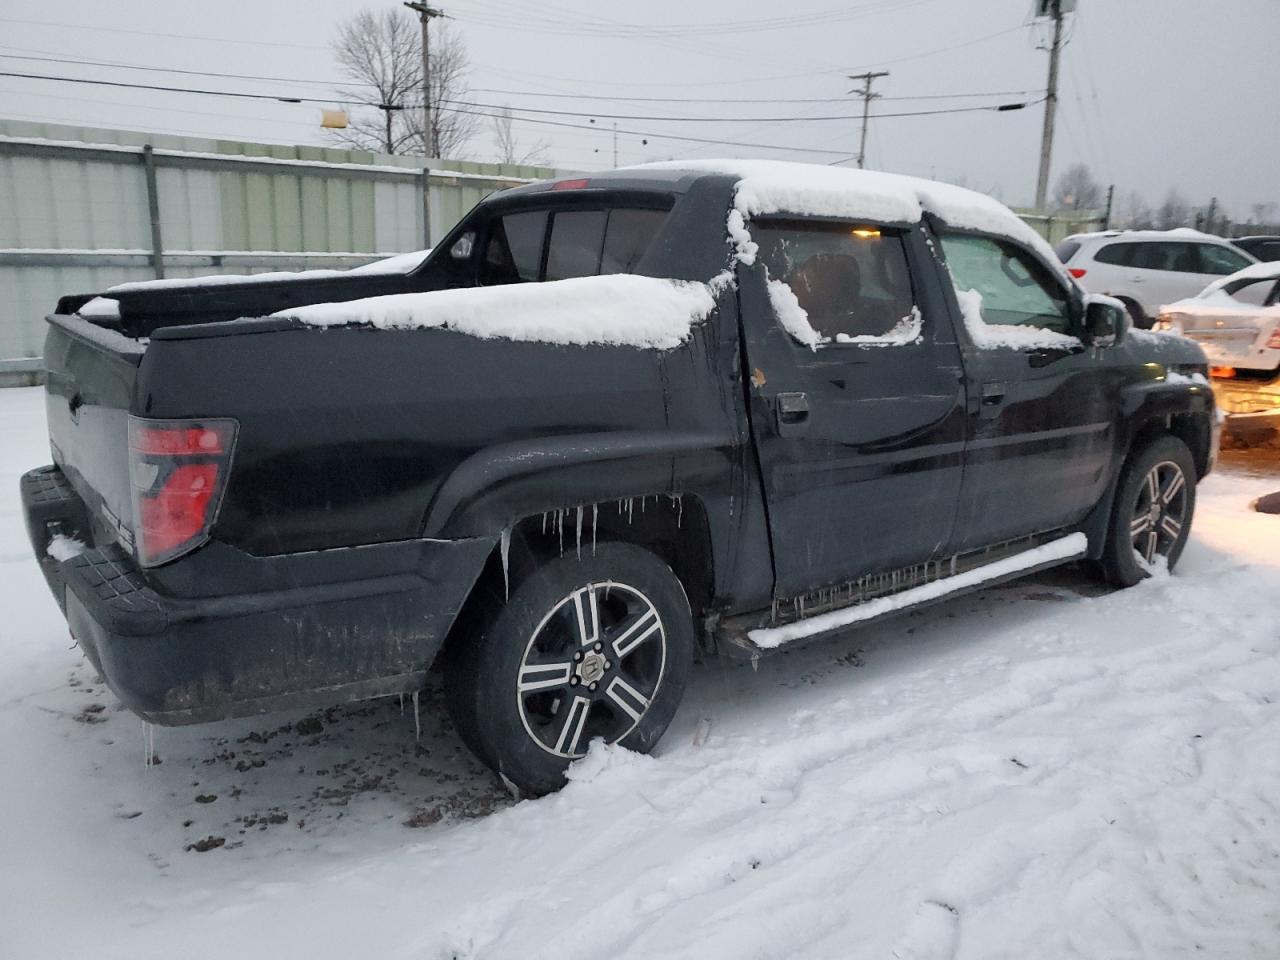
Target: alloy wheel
1160,511
591,668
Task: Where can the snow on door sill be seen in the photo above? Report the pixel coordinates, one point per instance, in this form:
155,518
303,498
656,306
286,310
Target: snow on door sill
1065,548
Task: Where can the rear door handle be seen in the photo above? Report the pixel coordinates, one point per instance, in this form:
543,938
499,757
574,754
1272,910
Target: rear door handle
791,411
993,393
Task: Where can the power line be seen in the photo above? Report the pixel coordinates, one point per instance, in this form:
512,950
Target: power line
290,98
502,91
723,119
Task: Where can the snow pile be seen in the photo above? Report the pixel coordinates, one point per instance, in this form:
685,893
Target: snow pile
401,263
100,308
63,548
779,187
615,310
795,320
793,317
908,330
989,335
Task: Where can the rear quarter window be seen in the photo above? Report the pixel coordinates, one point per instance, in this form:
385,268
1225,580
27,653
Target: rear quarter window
1066,249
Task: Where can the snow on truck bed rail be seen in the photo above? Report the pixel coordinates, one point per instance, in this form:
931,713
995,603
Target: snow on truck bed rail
613,310
401,263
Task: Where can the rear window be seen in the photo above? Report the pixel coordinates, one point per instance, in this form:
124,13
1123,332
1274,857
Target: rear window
560,244
1118,254
1066,249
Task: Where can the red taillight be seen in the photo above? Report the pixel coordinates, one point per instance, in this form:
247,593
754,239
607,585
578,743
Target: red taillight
1273,341
571,185
178,469
1076,272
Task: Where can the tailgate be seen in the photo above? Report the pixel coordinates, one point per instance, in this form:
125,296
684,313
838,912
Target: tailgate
91,374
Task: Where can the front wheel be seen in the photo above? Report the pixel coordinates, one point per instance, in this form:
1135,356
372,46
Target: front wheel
1151,517
594,647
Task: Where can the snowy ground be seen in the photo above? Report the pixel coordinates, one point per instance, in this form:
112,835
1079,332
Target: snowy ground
1044,770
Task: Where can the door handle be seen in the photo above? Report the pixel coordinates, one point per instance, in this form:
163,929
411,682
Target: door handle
993,393
791,410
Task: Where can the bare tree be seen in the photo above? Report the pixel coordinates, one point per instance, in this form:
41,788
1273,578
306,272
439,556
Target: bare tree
1134,212
1077,189
1261,212
1174,212
381,54
508,144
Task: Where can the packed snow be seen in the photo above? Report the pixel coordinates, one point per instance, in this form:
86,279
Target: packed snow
795,320
1044,769
401,263
779,186
990,335
615,310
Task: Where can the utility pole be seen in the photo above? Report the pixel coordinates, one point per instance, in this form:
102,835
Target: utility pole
1106,217
386,109
426,14
1053,9
867,97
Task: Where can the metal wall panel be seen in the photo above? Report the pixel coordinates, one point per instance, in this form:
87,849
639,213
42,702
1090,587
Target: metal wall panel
90,207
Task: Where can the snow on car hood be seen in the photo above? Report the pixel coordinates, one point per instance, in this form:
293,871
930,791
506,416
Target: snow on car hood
615,310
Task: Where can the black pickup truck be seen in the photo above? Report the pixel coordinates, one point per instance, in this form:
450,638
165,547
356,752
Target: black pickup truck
607,424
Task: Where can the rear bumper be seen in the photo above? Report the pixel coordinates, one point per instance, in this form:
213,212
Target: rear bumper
178,660
1251,408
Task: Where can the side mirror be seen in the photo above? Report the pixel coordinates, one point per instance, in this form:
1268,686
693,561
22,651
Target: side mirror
1106,322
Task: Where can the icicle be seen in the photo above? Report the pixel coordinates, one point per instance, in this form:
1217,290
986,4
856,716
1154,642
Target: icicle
148,745
579,532
631,508
402,703
505,549
417,718
642,500
595,515
544,521
560,529
679,510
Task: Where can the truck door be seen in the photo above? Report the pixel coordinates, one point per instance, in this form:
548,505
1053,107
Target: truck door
860,429
1041,417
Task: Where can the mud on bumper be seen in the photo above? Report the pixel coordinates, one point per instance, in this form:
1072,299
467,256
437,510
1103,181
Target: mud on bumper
178,660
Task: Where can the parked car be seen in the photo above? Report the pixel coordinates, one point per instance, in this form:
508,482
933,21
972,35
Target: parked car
1236,320
1145,269
730,406
1263,248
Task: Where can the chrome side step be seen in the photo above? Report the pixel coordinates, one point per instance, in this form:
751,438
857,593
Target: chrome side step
754,641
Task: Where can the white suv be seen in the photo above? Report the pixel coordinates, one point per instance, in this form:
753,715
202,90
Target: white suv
1149,268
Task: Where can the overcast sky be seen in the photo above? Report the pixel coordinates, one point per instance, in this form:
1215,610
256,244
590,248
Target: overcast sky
1155,93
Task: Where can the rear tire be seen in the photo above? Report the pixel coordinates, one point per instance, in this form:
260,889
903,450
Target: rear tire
1139,316
599,646
1151,517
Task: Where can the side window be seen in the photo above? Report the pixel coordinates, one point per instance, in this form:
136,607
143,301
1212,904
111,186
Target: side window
1257,293
1116,254
513,253
1220,261
577,239
1016,289
1178,257
850,281
628,237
